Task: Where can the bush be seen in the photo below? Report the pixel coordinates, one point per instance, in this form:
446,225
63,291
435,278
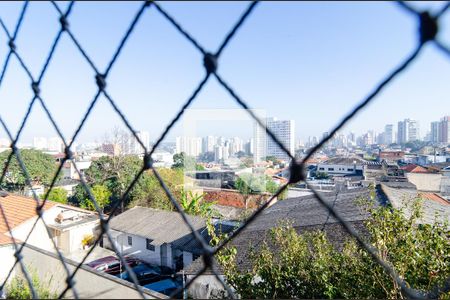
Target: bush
18,287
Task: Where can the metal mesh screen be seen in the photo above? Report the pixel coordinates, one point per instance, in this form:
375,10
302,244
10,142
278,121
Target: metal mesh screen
427,30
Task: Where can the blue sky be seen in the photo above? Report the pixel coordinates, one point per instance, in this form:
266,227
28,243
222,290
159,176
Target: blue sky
307,61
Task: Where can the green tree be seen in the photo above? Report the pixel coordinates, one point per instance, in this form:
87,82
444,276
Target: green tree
41,168
194,204
58,195
272,159
254,184
149,193
308,265
102,196
322,175
183,161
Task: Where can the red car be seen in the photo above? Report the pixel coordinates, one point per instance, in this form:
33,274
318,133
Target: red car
112,265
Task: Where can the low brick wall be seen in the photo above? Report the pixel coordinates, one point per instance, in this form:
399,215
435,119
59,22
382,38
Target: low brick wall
234,198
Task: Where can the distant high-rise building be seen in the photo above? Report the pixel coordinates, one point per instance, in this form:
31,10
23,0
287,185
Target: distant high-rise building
408,131
249,147
284,131
208,143
444,134
435,133
134,146
236,145
192,146
260,144
221,152
388,136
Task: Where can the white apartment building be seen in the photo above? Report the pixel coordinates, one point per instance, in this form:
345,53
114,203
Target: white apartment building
192,146
388,136
265,146
407,131
208,143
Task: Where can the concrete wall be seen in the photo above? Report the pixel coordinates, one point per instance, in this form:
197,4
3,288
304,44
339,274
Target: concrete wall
39,237
77,234
7,260
89,283
425,182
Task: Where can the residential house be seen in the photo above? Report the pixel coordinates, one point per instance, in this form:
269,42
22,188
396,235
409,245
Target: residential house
342,165
425,179
156,236
67,224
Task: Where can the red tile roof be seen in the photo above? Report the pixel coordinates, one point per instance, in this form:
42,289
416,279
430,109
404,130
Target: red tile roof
18,209
5,240
434,197
415,169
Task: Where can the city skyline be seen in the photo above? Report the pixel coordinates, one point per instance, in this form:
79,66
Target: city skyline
316,96
101,138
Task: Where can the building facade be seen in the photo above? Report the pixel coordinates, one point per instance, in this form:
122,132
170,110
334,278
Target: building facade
265,146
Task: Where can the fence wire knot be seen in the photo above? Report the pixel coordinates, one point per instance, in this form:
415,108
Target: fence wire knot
101,82
64,23
428,27
210,63
68,153
35,88
296,172
12,45
148,162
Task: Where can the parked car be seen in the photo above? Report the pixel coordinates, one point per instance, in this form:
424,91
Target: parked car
112,265
166,287
147,273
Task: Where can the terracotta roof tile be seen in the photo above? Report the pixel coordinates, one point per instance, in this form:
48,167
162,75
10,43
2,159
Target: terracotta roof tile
415,169
18,209
434,197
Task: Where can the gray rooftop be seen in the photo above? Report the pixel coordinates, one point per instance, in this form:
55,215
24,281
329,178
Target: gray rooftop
341,160
158,225
305,213
399,197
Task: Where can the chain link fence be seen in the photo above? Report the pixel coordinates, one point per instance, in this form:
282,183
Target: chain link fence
427,24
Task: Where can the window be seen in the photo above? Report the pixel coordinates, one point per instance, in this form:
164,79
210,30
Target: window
130,241
321,169
350,170
149,245
330,169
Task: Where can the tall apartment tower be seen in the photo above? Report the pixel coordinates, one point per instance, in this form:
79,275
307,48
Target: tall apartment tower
192,146
260,142
435,133
388,136
144,136
265,146
444,134
408,131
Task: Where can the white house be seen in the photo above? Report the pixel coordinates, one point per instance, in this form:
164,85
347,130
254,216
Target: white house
342,166
67,224
154,236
